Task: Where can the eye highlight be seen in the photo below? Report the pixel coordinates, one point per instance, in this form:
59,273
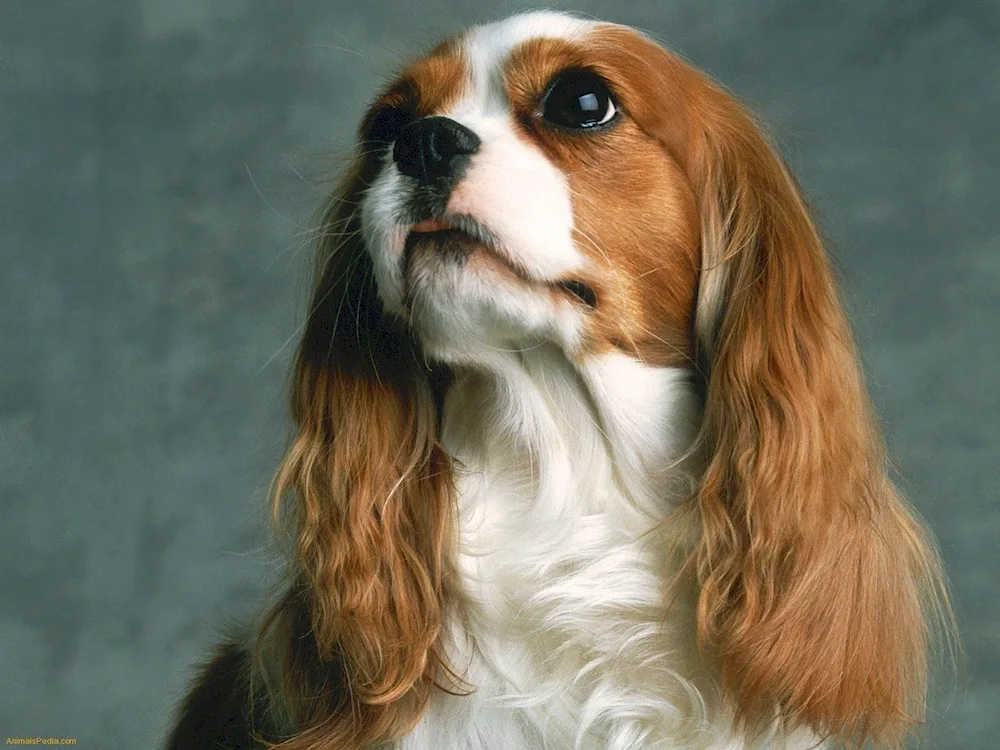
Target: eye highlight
578,99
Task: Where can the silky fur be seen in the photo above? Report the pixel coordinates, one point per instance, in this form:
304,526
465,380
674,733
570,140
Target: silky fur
518,522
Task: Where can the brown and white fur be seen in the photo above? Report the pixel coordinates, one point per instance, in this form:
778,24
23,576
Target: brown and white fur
584,455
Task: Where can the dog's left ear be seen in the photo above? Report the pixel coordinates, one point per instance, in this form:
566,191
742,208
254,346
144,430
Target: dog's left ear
818,586
367,489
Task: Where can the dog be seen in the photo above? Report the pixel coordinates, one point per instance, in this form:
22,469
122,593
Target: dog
584,457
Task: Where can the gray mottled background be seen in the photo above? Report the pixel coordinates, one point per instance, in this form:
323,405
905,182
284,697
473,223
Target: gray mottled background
160,165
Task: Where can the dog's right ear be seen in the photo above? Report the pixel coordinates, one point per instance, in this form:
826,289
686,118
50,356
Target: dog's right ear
367,491
820,588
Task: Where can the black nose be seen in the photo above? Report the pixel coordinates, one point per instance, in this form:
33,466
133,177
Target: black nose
434,149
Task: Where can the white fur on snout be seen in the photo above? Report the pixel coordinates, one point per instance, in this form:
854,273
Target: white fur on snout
520,196
383,211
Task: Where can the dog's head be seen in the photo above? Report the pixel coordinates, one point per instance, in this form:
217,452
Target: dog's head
528,184
549,179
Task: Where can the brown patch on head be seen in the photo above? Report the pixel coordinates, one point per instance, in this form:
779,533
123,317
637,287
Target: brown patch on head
635,213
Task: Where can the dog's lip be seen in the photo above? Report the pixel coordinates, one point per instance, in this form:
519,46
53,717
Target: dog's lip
433,224
473,229
459,223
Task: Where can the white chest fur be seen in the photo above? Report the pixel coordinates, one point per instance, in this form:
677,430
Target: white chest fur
564,479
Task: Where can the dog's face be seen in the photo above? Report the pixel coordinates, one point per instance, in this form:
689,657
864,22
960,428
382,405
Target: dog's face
526,187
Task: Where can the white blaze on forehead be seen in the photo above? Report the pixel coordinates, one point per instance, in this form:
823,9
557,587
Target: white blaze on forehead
487,46
511,186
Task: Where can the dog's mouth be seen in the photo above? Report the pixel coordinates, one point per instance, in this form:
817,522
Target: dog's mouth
432,225
455,238
457,233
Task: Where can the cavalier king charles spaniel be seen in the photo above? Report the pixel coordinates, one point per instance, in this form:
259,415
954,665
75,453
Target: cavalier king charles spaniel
584,457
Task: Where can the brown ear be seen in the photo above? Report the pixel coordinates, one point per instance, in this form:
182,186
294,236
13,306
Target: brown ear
369,493
817,584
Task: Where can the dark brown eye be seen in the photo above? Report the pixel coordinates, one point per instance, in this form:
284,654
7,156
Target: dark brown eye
581,291
578,99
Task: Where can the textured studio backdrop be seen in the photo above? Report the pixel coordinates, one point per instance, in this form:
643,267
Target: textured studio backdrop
161,162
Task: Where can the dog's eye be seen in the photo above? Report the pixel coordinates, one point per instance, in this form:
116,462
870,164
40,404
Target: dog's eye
578,99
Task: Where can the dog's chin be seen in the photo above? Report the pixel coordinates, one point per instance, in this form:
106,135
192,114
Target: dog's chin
466,302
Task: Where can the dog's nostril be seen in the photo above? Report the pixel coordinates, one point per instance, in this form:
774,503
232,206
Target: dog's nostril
428,149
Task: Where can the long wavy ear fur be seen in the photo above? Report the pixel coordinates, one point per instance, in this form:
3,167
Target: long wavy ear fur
365,488
819,589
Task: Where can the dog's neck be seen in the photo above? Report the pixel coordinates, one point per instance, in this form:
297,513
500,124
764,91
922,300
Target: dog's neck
564,476
554,441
